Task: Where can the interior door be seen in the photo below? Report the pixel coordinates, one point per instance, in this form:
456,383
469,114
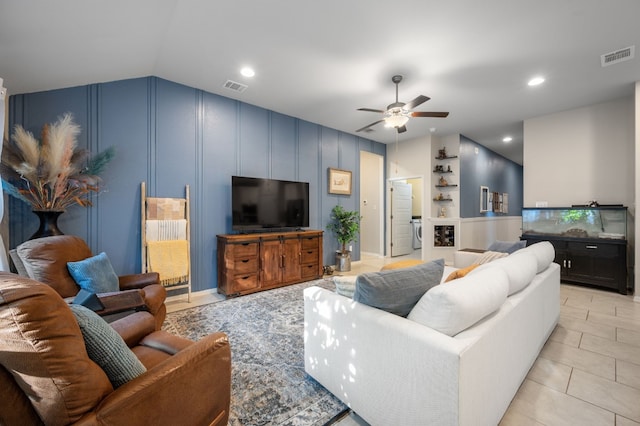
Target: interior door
401,226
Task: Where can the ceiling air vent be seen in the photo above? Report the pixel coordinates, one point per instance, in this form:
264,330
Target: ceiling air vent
235,86
618,56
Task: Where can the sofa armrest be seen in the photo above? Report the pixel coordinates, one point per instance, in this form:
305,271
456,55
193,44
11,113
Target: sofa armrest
192,387
466,257
388,369
133,328
133,281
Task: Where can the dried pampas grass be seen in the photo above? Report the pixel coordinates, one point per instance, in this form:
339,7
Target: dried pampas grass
54,173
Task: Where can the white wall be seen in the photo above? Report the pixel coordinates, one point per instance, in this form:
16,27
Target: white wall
586,154
580,155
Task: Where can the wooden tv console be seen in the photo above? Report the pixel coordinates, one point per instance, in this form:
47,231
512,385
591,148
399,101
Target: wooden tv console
254,262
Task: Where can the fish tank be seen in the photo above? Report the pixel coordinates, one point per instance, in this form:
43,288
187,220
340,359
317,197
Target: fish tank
575,222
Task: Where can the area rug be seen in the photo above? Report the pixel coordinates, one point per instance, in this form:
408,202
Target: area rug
269,384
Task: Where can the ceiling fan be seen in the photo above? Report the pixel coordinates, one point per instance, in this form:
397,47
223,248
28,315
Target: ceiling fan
397,114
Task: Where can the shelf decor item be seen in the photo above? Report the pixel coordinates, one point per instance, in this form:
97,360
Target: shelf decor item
346,227
53,173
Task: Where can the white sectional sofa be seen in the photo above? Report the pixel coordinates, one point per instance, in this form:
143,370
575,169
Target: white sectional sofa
393,370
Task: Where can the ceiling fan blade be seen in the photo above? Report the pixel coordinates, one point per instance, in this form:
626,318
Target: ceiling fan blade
371,110
417,101
402,129
369,125
429,114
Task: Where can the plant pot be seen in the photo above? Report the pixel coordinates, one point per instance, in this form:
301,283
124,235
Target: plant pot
343,261
48,224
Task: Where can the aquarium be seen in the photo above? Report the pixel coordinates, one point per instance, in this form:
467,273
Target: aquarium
576,222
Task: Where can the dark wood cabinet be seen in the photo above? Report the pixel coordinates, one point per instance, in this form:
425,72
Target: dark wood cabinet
253,262
592,261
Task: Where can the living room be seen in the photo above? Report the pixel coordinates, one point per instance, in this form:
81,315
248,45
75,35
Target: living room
170,132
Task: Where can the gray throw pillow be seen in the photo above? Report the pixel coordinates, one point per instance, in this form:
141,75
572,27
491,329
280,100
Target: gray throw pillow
106,347
398,290
507,246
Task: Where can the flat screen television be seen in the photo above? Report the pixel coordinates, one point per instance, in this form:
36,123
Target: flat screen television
268,204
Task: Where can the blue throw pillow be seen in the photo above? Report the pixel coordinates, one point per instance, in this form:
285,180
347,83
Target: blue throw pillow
94,274
507,246
106,347
398,290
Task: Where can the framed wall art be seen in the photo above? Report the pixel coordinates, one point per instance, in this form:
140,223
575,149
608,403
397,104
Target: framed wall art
339,181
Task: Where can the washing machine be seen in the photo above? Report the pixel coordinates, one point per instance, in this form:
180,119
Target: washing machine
417,233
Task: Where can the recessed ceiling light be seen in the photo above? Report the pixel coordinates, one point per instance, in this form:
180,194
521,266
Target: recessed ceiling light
507,139
535,81
247,72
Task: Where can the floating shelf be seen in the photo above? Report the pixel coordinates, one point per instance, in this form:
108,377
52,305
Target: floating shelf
446,186
447,157
443,199
443,171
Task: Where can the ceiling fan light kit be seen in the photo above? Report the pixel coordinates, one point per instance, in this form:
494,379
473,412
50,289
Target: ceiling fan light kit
398,113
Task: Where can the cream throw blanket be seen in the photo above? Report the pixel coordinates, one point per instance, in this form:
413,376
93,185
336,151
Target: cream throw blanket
158,230
170,259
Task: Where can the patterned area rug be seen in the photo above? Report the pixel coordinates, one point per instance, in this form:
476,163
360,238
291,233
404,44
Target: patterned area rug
269,384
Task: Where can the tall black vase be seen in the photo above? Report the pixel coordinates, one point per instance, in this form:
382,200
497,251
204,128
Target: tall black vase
48,224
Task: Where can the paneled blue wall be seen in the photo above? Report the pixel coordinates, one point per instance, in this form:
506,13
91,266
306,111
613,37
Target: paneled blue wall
486,168
170,135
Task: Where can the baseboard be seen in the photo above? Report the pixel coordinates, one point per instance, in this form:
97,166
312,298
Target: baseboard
194,295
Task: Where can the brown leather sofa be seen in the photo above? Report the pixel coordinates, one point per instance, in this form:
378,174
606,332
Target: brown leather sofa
45,260
46,376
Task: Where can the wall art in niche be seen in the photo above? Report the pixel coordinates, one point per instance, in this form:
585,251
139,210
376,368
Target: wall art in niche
339,181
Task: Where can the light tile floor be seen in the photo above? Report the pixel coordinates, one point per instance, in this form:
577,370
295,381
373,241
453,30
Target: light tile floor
588,373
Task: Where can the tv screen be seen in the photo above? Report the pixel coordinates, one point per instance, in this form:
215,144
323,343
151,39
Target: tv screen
259,203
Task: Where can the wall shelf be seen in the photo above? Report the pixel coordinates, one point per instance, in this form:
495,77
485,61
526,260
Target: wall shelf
446,186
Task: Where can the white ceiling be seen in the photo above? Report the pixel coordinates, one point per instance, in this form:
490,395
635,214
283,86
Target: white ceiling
321,60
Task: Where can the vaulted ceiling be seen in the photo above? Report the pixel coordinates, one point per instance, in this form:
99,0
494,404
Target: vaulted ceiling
321,60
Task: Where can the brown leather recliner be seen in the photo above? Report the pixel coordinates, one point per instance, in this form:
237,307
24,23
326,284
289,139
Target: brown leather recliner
46,376
45,260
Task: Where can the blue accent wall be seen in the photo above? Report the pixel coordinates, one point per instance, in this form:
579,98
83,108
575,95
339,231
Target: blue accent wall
170,135
486,168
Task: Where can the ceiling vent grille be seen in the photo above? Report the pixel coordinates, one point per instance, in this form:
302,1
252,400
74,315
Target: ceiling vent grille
235,86
618,56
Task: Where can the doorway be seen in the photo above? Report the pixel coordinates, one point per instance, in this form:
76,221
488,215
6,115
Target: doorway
372,204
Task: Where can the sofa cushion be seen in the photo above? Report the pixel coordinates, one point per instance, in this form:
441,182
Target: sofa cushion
543,252
461,303
345,285
94,274
43,349
489,256
459,273
398,290
507,246
106,348
520,268
45,260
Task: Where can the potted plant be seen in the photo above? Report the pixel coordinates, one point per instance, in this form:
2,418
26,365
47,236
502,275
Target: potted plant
53,173
346,227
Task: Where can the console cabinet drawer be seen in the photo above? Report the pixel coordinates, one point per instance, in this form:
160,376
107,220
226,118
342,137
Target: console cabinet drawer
309,256
245,250
248,282
245,266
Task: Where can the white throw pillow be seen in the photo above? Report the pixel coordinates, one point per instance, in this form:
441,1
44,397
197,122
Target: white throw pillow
490,256
520,268
345,285
544,253
455,306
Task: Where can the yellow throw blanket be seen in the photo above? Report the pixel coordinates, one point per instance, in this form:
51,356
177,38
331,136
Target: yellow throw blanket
170,259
